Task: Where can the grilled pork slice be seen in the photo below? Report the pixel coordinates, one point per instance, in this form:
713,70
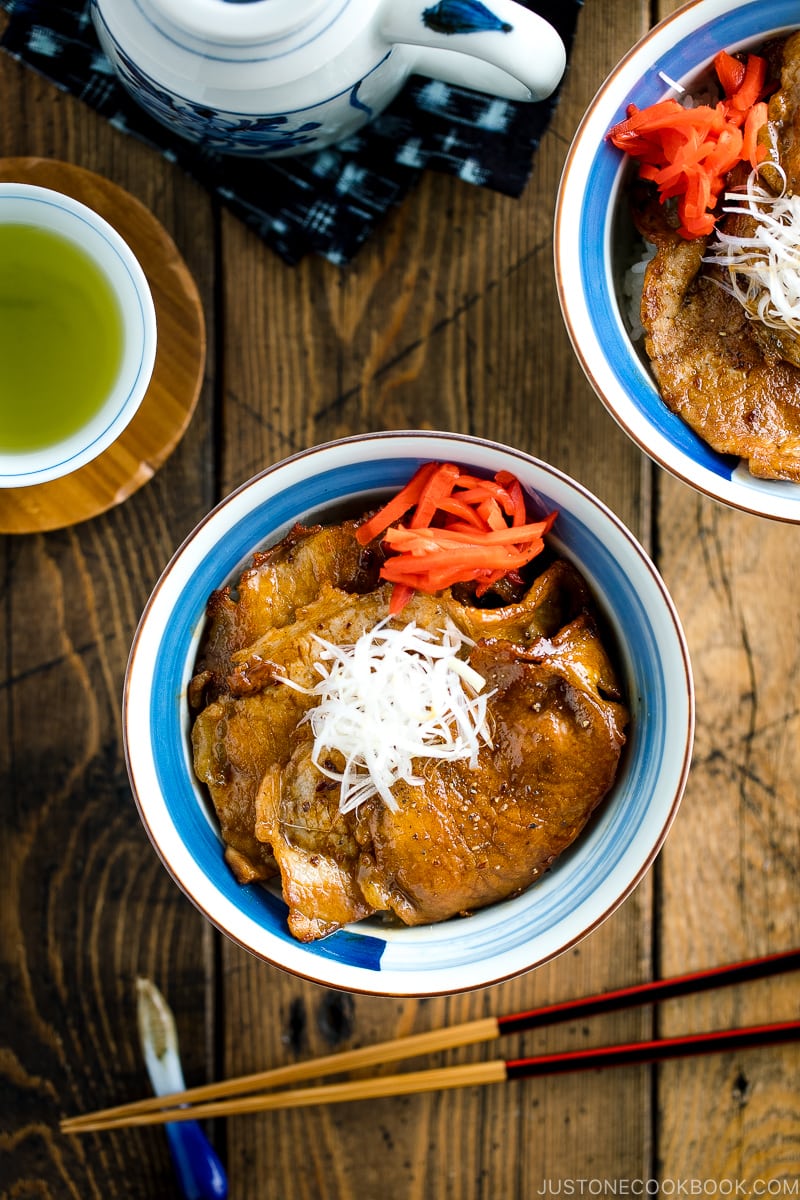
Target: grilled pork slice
243,721
297,812
245,731
714,369
270,591
784,116
235,741
468,838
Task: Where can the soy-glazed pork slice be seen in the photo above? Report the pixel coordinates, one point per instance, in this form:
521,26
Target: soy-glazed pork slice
468,838
242,722
712,367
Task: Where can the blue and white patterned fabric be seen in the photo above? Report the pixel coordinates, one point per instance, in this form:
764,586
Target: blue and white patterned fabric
329,202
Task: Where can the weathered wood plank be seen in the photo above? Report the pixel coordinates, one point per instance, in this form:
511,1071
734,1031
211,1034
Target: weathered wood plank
86,905
729,869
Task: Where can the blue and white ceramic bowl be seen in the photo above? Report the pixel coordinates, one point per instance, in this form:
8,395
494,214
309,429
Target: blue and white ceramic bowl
586,884
594,245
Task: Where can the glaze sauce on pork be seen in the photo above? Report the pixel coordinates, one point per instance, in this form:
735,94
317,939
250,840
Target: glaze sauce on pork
463,838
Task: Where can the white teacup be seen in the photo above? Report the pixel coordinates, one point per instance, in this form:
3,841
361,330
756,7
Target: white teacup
77,335
282,77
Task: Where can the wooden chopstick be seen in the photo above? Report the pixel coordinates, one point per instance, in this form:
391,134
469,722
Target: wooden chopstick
467,1075
377,1054
483,1030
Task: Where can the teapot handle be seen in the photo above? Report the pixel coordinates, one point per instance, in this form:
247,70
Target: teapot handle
498,47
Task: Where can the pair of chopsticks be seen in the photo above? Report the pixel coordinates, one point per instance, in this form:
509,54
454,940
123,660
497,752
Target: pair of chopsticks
230,1097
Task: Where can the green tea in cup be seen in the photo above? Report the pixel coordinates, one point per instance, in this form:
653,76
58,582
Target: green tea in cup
60,337
77,335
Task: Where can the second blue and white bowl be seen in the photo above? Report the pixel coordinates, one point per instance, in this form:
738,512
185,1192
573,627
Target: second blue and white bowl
593,244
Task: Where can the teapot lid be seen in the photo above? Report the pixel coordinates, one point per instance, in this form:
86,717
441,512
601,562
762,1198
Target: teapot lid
234,21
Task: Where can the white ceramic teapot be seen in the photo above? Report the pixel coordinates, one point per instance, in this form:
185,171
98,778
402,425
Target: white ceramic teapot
279,77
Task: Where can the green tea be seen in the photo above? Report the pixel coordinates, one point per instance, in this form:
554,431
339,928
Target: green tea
61,338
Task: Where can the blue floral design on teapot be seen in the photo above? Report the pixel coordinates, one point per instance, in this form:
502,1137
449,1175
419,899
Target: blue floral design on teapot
462,16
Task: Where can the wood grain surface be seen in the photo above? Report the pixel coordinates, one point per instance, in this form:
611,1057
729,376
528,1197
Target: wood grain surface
447,319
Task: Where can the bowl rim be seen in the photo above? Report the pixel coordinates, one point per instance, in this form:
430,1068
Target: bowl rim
774,499
391,981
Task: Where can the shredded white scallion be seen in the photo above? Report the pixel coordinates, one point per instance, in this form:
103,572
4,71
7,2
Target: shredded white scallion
763,269
672,83
395,695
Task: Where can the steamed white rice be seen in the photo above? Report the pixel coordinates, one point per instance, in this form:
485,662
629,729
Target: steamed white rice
632,284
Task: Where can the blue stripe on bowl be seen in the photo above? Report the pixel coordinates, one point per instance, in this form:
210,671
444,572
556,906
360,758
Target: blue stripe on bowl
620,839
604,178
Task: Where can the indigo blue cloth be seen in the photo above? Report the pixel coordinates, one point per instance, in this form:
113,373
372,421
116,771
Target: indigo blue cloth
328,202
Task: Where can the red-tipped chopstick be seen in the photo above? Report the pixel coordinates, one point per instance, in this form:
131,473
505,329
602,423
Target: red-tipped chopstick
653,992
487,1029
656,1050
467,1075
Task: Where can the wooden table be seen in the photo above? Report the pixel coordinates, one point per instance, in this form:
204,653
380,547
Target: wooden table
448,319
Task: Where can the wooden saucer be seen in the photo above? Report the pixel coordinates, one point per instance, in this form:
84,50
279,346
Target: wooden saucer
177,376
